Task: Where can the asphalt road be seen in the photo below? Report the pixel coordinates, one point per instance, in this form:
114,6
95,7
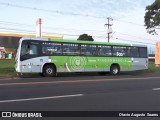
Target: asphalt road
125,92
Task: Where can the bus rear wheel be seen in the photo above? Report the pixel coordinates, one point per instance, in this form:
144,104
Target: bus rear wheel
49,71
114,70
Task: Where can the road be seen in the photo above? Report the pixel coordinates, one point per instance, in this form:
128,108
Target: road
125,92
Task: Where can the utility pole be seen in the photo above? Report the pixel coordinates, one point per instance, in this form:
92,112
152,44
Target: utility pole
109,27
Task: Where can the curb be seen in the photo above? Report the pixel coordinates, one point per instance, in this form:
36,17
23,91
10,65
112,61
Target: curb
7,77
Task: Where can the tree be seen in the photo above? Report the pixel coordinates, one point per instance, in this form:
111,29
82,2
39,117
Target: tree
152,17
85,37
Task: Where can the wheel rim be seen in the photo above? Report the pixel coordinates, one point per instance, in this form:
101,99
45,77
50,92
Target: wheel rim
49,71
115,70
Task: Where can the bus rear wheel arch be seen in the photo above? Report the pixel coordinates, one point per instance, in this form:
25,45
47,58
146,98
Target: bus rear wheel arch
114,69
49,70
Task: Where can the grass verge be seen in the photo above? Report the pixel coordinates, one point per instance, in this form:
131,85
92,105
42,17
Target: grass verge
152,68
7,67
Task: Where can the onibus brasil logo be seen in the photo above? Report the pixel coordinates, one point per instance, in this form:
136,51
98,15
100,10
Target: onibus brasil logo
76,64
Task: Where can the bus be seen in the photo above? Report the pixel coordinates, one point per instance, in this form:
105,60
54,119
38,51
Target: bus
51,56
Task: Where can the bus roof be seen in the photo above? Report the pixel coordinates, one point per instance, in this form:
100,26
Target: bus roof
83,42
89,42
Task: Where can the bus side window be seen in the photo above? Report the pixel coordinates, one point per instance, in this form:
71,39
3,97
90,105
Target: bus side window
143,52
128,51
59,51
134,52
100,52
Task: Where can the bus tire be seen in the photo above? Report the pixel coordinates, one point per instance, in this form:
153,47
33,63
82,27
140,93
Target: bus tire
49,71
114,70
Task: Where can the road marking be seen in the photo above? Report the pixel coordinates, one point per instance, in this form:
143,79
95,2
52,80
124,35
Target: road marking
41,98
156,89
75,81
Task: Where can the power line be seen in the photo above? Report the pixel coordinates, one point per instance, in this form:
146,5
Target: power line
68,29
24,30
77,30
136,36
15,24
104,37
129,22
136,41
47,10
15,29
48,27
64,13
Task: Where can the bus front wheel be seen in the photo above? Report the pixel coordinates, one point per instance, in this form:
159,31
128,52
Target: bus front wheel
114,70
49,71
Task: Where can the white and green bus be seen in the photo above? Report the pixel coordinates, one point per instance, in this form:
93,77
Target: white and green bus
50,56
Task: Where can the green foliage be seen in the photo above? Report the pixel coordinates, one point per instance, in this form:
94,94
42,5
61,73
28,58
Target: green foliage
152,17
85,37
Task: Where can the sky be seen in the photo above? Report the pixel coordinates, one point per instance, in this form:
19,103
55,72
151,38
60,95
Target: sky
71,18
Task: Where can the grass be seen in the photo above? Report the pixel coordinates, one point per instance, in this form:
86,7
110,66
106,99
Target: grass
7,68
152,68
